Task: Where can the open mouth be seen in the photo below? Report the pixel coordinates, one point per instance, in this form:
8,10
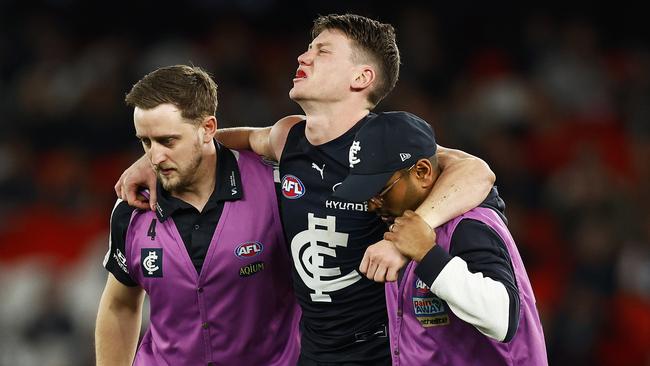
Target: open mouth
300,74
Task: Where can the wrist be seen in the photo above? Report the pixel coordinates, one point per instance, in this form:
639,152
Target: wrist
423,252
430,217
432,264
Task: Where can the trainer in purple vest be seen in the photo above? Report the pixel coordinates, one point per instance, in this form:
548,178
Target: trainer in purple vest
424,331
240,310
470,304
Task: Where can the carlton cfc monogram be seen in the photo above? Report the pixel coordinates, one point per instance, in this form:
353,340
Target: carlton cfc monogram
316,277
152,262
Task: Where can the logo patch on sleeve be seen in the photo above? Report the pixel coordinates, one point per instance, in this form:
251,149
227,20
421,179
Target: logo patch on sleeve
121,260
429,309
152,262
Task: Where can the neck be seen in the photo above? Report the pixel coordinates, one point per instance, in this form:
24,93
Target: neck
198,193
327,121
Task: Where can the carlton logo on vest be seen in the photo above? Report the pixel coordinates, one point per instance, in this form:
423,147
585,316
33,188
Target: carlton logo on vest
152,262
249,249
292,187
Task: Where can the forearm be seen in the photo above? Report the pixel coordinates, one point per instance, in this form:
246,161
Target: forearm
116,336
476,278
235,137
117,330
463,184
246,138
476,299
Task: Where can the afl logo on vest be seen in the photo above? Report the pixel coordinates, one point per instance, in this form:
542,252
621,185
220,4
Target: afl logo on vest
292,187
249,249
421,288
152,262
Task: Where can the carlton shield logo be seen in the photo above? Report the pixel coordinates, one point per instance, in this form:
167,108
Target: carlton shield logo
292,187
249,249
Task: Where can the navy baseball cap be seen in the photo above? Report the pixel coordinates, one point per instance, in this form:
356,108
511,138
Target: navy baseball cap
391,141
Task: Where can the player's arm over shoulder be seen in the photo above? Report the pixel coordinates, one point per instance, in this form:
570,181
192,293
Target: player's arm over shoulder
265,141
276,137
463,184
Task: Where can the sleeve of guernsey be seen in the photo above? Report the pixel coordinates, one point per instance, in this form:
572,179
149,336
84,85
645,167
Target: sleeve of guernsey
115,259
476,279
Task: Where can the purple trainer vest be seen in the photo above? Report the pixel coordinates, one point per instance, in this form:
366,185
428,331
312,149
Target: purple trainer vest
448,340
240,310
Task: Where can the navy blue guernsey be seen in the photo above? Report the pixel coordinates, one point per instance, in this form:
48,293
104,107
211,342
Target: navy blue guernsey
344,314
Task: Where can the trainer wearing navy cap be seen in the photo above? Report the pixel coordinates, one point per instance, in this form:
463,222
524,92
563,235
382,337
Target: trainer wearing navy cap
465,297
384,150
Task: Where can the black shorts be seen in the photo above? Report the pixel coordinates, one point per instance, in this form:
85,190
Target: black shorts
368,348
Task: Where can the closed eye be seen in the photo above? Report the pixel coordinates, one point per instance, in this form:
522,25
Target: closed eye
145,142
167,141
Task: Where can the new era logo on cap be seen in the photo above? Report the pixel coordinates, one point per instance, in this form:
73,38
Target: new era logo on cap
404,156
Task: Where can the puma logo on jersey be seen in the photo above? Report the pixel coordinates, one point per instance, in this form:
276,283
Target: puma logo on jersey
320,170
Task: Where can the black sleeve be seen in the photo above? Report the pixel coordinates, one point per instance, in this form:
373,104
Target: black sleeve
485,252
115,259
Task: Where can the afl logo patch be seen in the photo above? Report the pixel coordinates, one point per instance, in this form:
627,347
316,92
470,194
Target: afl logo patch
292,187
249,249
421,288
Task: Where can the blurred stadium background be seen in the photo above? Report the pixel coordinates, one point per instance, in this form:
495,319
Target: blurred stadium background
555,99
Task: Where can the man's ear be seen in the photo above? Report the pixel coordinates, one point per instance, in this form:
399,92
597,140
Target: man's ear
424,173
209,126
364,77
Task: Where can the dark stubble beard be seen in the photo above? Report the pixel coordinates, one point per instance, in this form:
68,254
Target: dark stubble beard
186,176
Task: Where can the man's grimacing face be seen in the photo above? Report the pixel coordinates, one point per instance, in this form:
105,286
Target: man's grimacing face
326,70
